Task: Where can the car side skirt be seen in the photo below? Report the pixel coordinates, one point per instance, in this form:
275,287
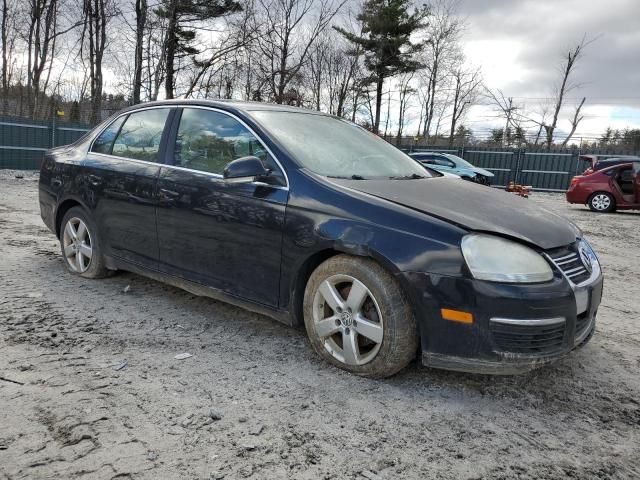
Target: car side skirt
199,289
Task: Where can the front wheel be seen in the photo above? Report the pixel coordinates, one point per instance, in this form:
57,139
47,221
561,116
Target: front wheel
80,245
358,318
602,202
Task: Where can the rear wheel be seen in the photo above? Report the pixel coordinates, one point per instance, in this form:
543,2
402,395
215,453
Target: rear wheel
80,245
358,318
602,202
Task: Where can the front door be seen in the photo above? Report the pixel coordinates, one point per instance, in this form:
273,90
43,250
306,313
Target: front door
122,169
221,234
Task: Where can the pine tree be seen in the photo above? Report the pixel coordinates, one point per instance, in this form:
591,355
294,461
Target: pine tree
179,36
386,27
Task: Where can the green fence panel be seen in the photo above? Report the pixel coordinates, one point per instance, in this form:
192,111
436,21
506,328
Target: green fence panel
23,142
502,163
547,170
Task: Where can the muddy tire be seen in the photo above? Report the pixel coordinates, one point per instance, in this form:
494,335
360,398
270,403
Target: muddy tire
602,202
80,245
358,318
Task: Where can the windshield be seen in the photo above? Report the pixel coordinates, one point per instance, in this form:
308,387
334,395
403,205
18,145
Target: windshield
459,161
336,148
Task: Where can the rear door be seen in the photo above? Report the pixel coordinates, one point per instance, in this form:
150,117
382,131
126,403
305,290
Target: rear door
122,170
636,169
221,234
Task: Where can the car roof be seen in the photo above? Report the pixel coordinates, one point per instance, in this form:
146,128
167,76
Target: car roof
619,159
597,157
237,105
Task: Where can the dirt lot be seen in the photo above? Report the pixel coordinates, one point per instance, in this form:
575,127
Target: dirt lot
90,386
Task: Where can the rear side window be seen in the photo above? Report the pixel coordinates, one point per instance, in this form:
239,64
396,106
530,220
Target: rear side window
140,136
104,143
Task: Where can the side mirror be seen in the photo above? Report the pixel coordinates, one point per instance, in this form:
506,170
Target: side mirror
244,170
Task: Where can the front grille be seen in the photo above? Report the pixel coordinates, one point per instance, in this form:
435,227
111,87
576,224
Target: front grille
529,339
568,260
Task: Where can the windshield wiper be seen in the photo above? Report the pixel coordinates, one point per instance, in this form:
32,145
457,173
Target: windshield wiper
413,176
352,177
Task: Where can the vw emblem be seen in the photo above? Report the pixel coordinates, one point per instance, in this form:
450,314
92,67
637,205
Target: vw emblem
586,258
346,318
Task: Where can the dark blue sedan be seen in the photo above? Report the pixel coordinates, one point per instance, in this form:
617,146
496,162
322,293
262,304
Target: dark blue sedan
313,220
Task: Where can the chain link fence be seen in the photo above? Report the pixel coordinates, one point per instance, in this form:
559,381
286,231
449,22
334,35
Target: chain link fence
30,124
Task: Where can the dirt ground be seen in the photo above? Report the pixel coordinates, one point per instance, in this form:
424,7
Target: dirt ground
90,386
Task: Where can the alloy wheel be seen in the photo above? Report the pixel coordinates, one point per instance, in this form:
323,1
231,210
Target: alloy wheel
76,244
348,320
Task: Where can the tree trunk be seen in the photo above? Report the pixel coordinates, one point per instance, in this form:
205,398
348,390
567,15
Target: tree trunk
379,84
170,51
141,21
5,57
575,122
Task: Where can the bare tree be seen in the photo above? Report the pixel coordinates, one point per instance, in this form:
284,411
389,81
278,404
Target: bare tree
155,57
8,45
317,70
506,108
575,121
291,27
97,15
571,57
405,91
466,88
41,37
441,53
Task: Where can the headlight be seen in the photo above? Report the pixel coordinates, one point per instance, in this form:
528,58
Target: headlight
498,260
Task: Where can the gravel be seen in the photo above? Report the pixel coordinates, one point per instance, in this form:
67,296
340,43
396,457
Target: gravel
65,412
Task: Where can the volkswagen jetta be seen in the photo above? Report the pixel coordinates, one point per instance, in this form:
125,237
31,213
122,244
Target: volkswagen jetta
313,220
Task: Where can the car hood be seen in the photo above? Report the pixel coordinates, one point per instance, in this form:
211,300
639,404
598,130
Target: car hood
473,207
482,171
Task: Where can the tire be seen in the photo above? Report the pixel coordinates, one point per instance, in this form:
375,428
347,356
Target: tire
80,245
602,202
382,331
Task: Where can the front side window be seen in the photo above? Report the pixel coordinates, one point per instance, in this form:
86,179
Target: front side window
140,136
104,143
208,140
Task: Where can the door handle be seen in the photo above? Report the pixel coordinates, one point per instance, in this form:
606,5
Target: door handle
94,180
169,194
56,182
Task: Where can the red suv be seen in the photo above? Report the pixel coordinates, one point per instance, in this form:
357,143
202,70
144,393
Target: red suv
615,187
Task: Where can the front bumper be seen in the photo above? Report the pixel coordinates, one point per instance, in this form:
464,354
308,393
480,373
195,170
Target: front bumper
515,328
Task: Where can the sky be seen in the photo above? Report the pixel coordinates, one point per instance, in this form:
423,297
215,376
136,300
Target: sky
519,46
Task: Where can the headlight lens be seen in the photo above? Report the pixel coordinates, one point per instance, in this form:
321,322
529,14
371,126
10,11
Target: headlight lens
499,260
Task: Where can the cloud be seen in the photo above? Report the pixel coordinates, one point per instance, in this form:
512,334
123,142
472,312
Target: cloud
520,45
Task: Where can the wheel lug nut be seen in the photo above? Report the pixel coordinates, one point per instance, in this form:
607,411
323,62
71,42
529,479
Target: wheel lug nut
347,331
337,322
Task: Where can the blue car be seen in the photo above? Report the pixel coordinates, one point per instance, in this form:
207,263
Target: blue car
445,163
